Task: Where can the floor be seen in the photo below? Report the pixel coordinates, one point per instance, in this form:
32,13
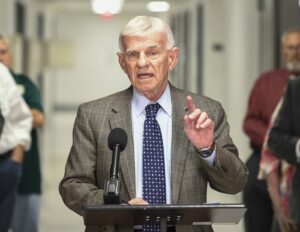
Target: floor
55,216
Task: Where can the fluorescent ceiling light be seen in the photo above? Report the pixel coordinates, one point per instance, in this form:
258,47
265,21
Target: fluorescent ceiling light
158,6
107,6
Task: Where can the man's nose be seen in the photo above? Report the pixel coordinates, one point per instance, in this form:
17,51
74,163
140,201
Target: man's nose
143,60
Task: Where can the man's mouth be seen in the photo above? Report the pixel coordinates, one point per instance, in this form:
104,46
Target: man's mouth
144,75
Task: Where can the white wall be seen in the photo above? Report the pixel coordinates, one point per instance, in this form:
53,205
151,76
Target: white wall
215,62
242,65
6,17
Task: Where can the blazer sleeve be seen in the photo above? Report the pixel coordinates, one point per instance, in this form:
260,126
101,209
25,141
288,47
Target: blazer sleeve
229,174
78,186
282,139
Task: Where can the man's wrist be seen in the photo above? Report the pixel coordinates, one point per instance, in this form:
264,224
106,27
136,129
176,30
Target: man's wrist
207,151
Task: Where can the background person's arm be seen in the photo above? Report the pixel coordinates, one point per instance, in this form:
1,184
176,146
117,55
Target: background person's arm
254,125
17,116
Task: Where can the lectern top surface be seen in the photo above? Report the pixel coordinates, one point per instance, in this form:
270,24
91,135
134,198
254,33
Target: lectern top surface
173,214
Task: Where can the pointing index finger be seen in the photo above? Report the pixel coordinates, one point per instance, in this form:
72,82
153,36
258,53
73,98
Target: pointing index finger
190,103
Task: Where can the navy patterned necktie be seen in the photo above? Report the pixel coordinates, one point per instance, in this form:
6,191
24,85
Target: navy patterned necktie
154,184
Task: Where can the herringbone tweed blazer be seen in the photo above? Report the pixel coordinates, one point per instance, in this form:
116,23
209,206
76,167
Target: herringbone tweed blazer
89,161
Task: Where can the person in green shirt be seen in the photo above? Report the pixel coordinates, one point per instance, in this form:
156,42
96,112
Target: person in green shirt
26,212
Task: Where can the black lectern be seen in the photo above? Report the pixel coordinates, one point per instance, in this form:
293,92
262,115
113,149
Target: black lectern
125,215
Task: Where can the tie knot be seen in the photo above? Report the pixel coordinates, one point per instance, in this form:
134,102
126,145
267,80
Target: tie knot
151,110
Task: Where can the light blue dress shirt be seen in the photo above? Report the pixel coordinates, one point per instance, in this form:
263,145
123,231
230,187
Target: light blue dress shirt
164,118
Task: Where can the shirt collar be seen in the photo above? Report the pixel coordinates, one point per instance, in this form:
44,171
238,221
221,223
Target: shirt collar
139,102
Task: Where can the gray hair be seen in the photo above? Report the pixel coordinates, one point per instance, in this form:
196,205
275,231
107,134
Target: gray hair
291,30
144,26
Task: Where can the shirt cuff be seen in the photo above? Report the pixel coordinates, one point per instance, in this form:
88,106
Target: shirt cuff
298,151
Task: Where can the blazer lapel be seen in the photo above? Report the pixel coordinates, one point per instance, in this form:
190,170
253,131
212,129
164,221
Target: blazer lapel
121,118
179,143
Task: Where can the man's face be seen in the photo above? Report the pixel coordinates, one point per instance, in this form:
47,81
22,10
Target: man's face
291,51
147,62
5,55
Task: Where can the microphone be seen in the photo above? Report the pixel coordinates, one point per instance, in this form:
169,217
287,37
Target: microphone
117,141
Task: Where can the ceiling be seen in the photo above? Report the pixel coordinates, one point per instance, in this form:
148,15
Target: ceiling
84,5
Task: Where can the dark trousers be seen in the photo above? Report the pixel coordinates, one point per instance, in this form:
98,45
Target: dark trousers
10,173
259,214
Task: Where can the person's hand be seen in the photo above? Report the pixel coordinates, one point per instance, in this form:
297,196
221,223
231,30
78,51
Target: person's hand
198,127
138,201
17,154
38,118
286,223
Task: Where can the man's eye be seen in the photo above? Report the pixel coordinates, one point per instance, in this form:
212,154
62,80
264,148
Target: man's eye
153,53
132,55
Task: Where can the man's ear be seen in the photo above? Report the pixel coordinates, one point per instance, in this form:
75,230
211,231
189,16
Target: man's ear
121,57
173,57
